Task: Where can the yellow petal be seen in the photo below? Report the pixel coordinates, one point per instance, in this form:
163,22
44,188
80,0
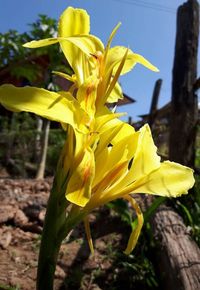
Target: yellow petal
116,94
116,76
88,233
121,151
112,35
170,180
41,43
107,136
99,169
126,130
79,185
65,76
115,55
103,118
144,156
139,153
53,106
116,162
146,159
74,21
89,44
140,59
110,40
86,96
136,231
109,177
82,142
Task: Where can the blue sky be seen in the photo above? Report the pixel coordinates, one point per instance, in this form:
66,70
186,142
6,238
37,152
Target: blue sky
149,31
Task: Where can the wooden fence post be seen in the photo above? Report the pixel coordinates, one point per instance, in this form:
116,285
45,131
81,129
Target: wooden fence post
178,255
184,105
154,102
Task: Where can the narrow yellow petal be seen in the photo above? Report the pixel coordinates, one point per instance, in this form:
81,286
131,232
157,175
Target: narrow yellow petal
50,105
136,231
116,94
140,59
41,43
88,234
116,75
87,43
109,177
103,118
110,40
65,76
170,180
115,55
107,136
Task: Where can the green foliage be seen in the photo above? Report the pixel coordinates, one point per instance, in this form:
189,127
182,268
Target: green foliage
189,208
197,160
44,26
11,46
135,271
138,271
120,206
6,287
20,61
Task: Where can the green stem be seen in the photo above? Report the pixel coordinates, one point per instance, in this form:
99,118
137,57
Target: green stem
50,245
56,227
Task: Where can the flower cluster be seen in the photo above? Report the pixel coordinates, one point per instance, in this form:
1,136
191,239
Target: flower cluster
103,158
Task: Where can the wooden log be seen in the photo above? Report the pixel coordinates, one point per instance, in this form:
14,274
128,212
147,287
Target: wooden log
178,256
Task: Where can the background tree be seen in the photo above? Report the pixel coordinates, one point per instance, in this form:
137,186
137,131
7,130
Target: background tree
32,67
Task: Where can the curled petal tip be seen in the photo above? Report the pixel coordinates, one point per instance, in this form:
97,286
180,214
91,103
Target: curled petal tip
156,69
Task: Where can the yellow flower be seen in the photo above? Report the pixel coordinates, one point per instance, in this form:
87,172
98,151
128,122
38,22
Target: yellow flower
91,62
131,165
96,72
103,158
75,41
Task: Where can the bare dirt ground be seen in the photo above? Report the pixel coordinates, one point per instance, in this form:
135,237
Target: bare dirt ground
22,211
